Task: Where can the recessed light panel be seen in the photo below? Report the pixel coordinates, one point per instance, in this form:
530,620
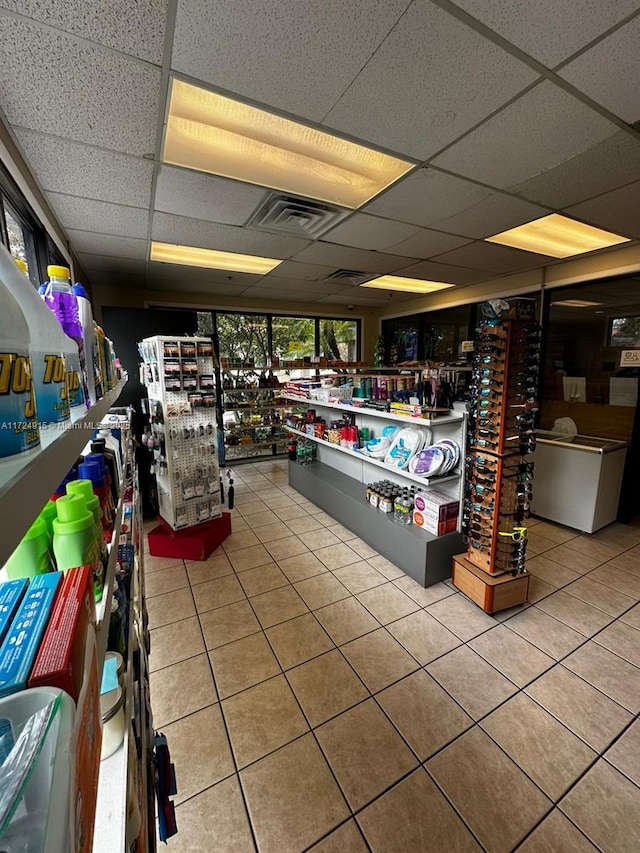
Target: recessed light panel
191,256
576,303
212,133
408,285
557,236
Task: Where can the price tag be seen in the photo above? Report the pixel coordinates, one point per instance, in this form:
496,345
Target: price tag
630,358
466,346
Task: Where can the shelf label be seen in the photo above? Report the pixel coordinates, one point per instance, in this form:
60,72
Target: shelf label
630,358
466,346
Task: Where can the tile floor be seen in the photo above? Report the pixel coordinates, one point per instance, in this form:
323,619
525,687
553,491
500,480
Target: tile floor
316,698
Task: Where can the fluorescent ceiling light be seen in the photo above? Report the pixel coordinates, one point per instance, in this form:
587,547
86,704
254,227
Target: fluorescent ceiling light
211,133
408,285
557,236
577,303
191,256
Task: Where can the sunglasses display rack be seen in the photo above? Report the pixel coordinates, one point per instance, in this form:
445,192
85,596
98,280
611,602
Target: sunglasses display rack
498,476
178,374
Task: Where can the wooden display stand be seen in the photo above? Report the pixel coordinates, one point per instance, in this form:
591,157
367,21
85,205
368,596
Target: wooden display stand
490,592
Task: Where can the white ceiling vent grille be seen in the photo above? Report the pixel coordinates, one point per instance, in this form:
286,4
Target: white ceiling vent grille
286,214
350,276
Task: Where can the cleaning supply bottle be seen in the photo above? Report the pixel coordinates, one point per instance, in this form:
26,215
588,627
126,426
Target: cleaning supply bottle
113,443
99,445
33,554
91,470
47,348
75,542
59,296
19,430
84,488
108,466
99,358
85,316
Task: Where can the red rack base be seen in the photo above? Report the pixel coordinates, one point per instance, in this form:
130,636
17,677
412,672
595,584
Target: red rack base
192,543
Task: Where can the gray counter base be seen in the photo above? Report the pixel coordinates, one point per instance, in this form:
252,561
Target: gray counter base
422,556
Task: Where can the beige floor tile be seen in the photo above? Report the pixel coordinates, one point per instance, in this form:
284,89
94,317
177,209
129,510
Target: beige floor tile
345,839
175,642
386,568
632,617
343,533
424,714
623,640
576,614
365,752
538,544
304,524
217,593
421,595
250,507
556,834
618,535
208,570
601,596
242,664
320,537
277,606
321,590
271,532
362,548
302,566
238,524
511,655
614,825
290,546
242,539
168,580
200,751
292,797
608,673
229,623
387,603
379,659
261,719
586,711
625,753
262,519
547,751
538,589
287,513
250,558
345,620
600,551
556,532
577,561
158,564
629,561
414,815
328,520
326,686
214,820
170,607
461,617
359,576
181,689
551,572
548,634
336,556
618,579
482,805
262,579
279,500
423,636
471,681
298,640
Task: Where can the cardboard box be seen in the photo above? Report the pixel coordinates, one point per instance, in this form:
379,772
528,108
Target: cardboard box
434,525
437,505
60,661
11,593
490,592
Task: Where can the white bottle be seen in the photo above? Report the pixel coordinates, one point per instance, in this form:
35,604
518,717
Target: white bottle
88,335
19,431
113,444
47,349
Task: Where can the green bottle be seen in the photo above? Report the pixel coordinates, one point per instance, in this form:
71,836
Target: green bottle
48,514
75,542
33,555
84,488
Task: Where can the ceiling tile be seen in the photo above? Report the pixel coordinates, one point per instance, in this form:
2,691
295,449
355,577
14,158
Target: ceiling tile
108,264
358,299
109,279
342,257
421,89
434,271
90,215
185,285
299,57
492,258
606,166
549,31
64,166
609,72
58,84
183,230
369,232
202,196
159,270
95,243
538,131
617,211
426,196
303,272
135,28
492,215
426,243
275,293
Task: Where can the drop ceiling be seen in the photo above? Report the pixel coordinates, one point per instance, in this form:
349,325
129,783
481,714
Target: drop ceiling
508,111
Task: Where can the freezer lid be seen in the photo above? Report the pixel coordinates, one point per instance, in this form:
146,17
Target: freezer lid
580,442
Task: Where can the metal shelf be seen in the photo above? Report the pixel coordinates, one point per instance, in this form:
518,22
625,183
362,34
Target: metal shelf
256,408
230,429
346,406
226,391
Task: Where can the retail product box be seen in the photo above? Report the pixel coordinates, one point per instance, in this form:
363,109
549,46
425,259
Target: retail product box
22,641
490,592
433,525
60,661
437,505
11,593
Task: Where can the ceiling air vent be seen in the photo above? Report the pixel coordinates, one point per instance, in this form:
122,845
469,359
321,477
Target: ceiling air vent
350,276
286,214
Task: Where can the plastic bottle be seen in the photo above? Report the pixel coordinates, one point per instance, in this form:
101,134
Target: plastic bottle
33,554
113,445
74,536
19,431
85,315
92,471
84,488
59,296
99,448
98,360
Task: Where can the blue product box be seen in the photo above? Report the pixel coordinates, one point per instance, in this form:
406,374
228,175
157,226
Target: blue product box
21,644
11,593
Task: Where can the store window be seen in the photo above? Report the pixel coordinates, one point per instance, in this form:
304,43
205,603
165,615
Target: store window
292,337
339,339
430,336
243,339
19,237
